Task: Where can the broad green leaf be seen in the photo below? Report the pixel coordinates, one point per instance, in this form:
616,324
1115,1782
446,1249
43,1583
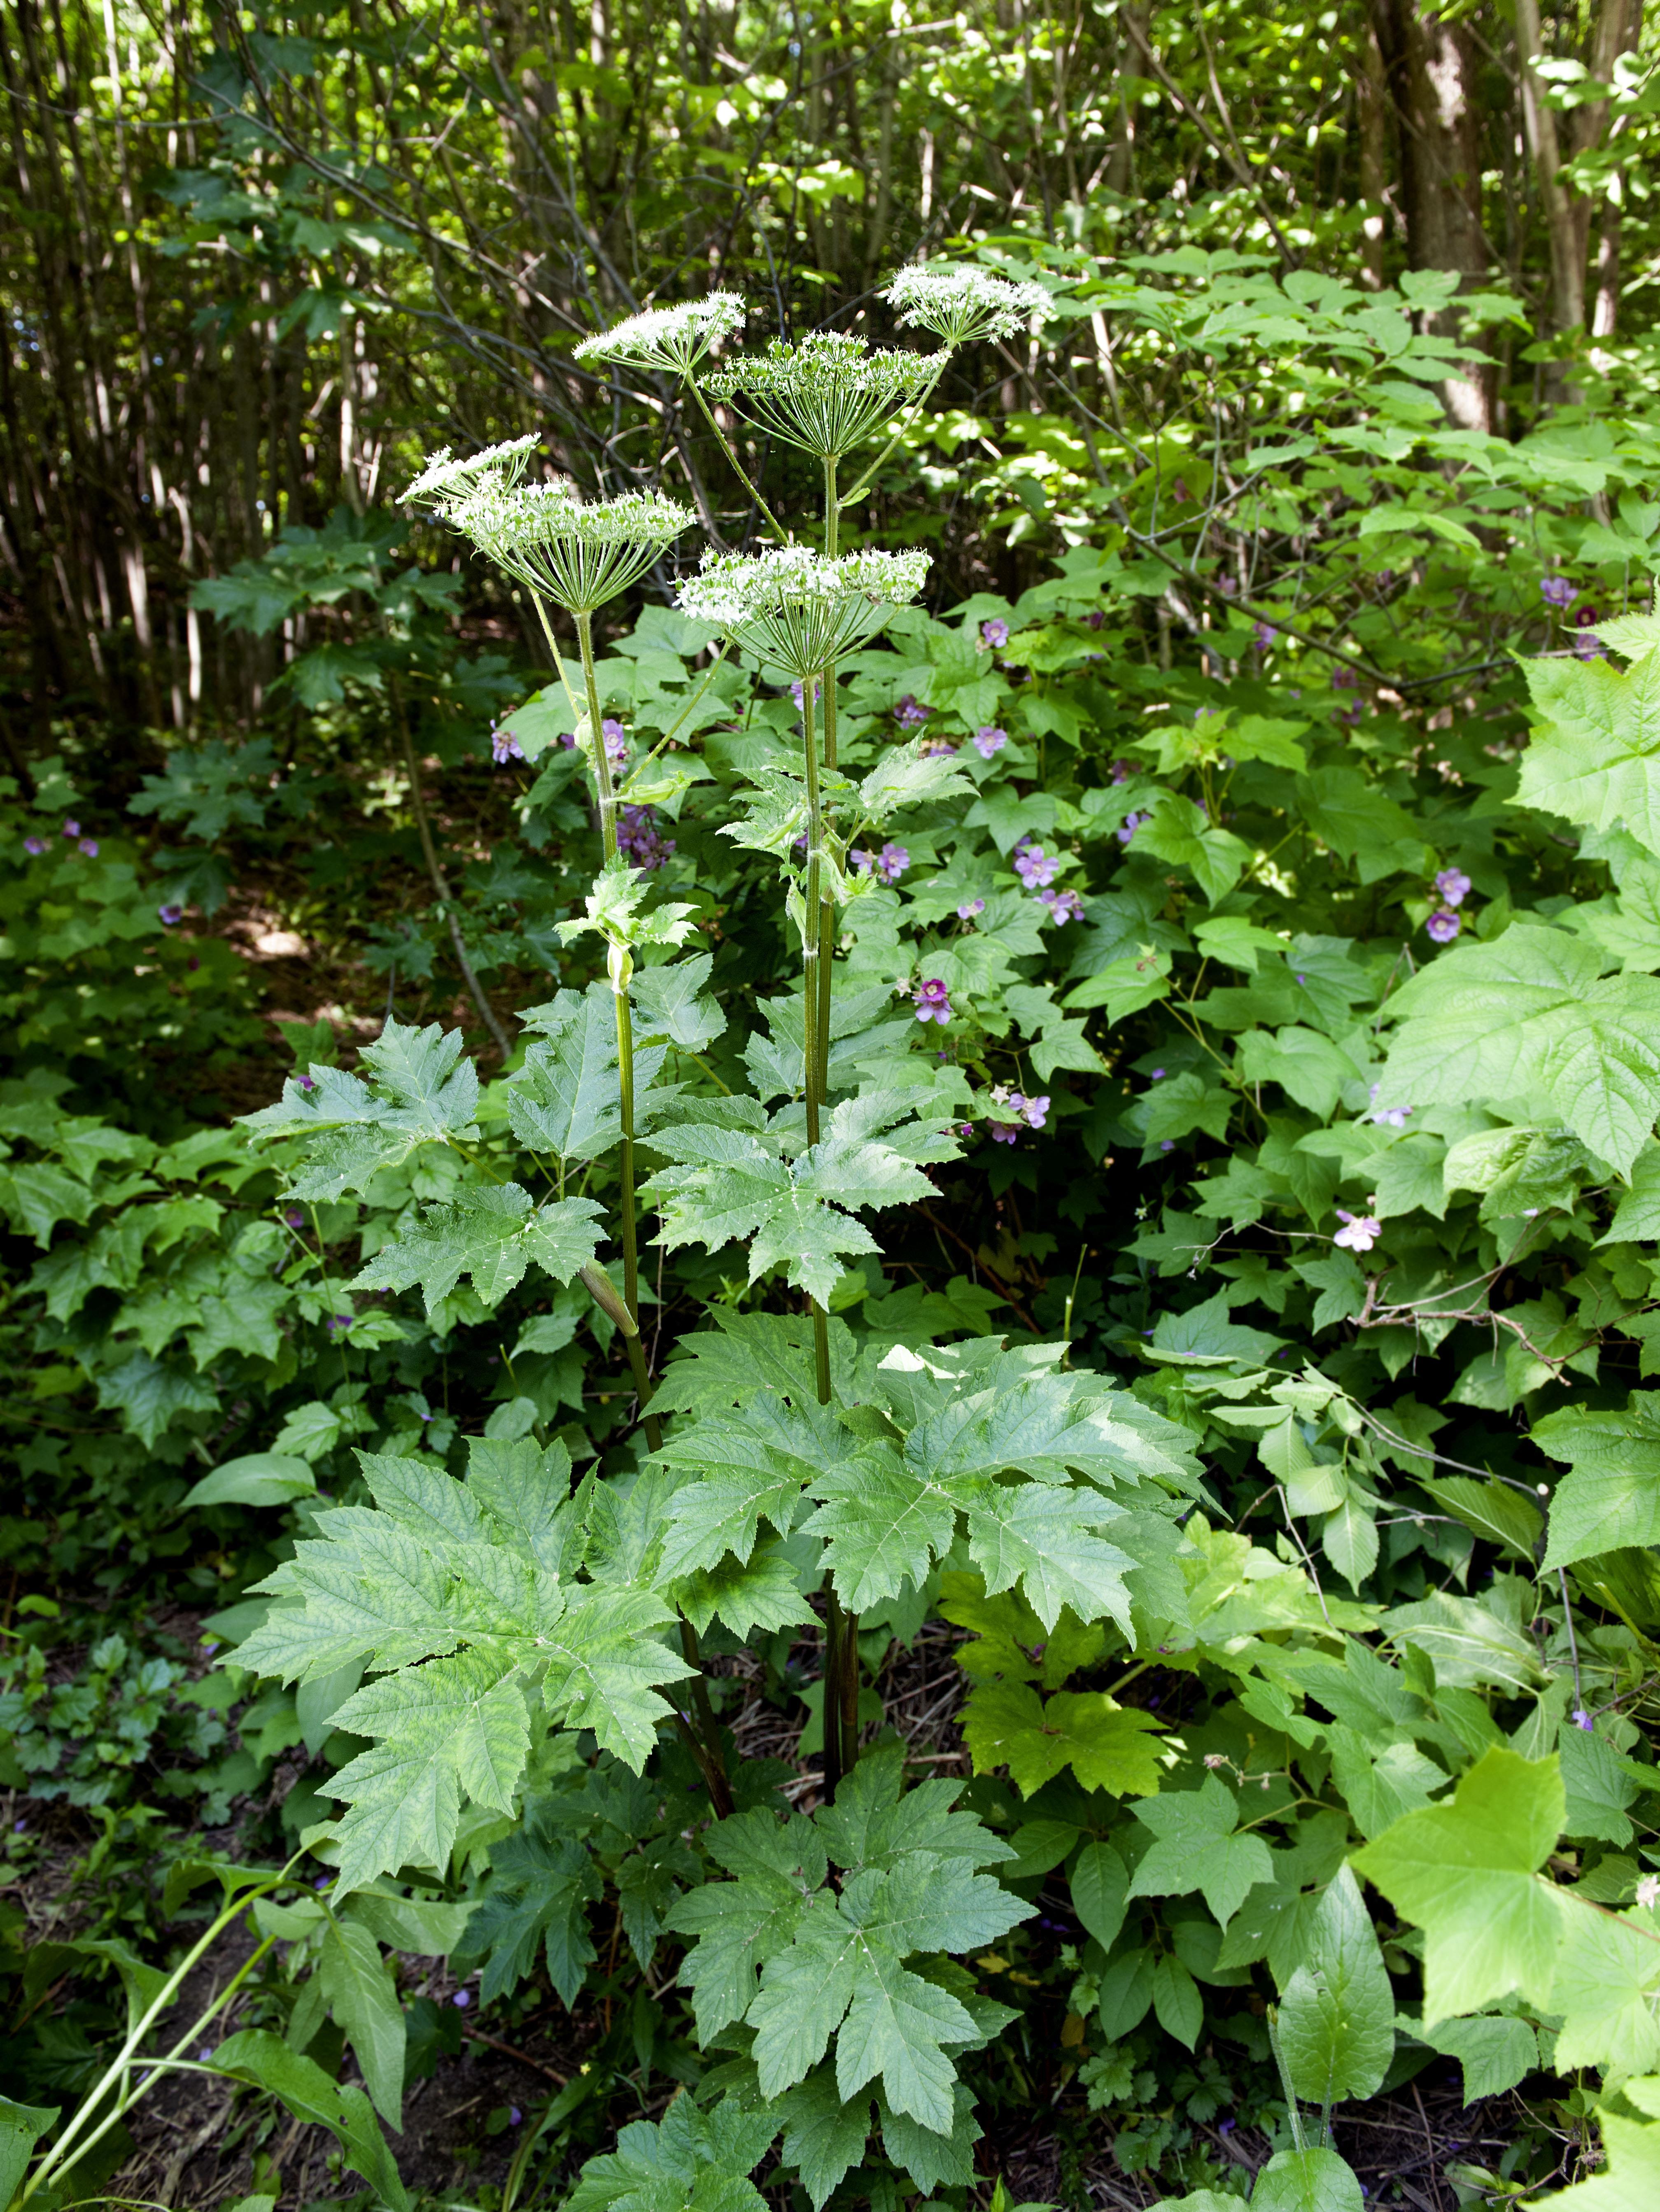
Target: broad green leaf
540,1889
823,2136
1043,1536
1467,1874
1337,2016
1315,2180
257,1479
565,1098
1492,1509
1527,1012
1610,1498
1608,1977
1196,1847
1495,2053
1126,1995
667,1004
1177,2004
256,2056
359,1989
1596,760
898,2026
22,2127
1107,1746
1100,1891
493,1234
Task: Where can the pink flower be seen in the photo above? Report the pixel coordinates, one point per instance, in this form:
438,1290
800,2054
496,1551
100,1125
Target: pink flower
1065,906
71,829
90,847
1443,926
1359,1232
989,739
995,633
933,1002
1035,867
1454,885
617,743
970,908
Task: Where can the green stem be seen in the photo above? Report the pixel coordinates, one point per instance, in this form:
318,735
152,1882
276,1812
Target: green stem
602,783
625,1070
714,1766
727,449
601,1289
812,931
558,662
905,421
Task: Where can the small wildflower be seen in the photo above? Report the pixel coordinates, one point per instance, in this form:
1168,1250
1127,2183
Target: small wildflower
892,862
169,914
504,746
1035,867
1581,1719
1132,823
1387,1117
1003,1133
860,860
1345,679
1214,1759
933,1002
1167,1144
1648,1890
210,1643
1264,634
205,2054
1443,926
995,633
1121,771
305,1082
1587,645
71,830
989,739
323,1882
909,712
638,840
294,1218
799,692
617,743
567,739
970,908
1454,885
90,847
939,748
34,844
1359,1232
1557,592
1158,1075
514,2116
461,2000
1064,905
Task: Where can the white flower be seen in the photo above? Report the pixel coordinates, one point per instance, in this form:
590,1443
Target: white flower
961,302
577,553
796,607
828,393
669,337
446,478
1359,1232
1648,1890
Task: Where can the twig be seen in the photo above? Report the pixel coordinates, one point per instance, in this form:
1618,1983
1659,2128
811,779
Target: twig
512,2051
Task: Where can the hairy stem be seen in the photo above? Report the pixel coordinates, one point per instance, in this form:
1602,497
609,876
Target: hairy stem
812,932
602,783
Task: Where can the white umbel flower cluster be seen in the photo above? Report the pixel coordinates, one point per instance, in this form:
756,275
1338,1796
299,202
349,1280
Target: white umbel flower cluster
445,478
960,303
575,552
828,392
669,337
796,607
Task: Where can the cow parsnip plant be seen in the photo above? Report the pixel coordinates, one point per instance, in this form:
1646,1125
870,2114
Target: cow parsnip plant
1367,997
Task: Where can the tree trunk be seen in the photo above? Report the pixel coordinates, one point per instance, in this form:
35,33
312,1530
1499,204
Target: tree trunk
1429,67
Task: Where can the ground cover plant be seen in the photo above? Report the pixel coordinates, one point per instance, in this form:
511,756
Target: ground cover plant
897,1448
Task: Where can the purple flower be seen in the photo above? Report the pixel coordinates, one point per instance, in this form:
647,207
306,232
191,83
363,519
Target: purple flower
638,840
909,712
304,1082
34,844
798,692
1157,1076
210,1643
323,1882
1443,926
170,914
617,743
859,859
939,748
1454,885
90,847
338,1320
1586,644
970,908
1121,771
205,2054
1035,867
1227,2127
995,633
514,2116
1359,1232
1557,592
294,1218
933,1002
892,862
1581,1719
1065,906
989,739
1167,1144
461,2000
71,829
1132,823
1036,1110
1389,1117
1003,1133
504,746
1345,679
568,738
1264,634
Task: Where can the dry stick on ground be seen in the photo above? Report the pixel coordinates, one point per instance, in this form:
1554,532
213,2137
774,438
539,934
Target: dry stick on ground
441,882
512,2051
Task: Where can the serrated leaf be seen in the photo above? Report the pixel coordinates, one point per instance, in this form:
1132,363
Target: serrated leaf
1596,760
1108,1747
760,1592
1196,1847
605,1662
1043,1537
358,1987
898,2026
823,2136
667,1004
494,1235
1465,1873
1607,1976
566,1098
1611,1497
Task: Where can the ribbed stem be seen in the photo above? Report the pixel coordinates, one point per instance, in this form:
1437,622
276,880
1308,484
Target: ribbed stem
602,783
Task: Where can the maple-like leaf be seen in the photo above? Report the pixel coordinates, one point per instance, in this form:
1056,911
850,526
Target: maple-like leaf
494,1234
420,1091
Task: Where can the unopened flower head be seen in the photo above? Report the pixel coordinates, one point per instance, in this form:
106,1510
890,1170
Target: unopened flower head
959,302
827,392
577,553
674,338
794,607
445,478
